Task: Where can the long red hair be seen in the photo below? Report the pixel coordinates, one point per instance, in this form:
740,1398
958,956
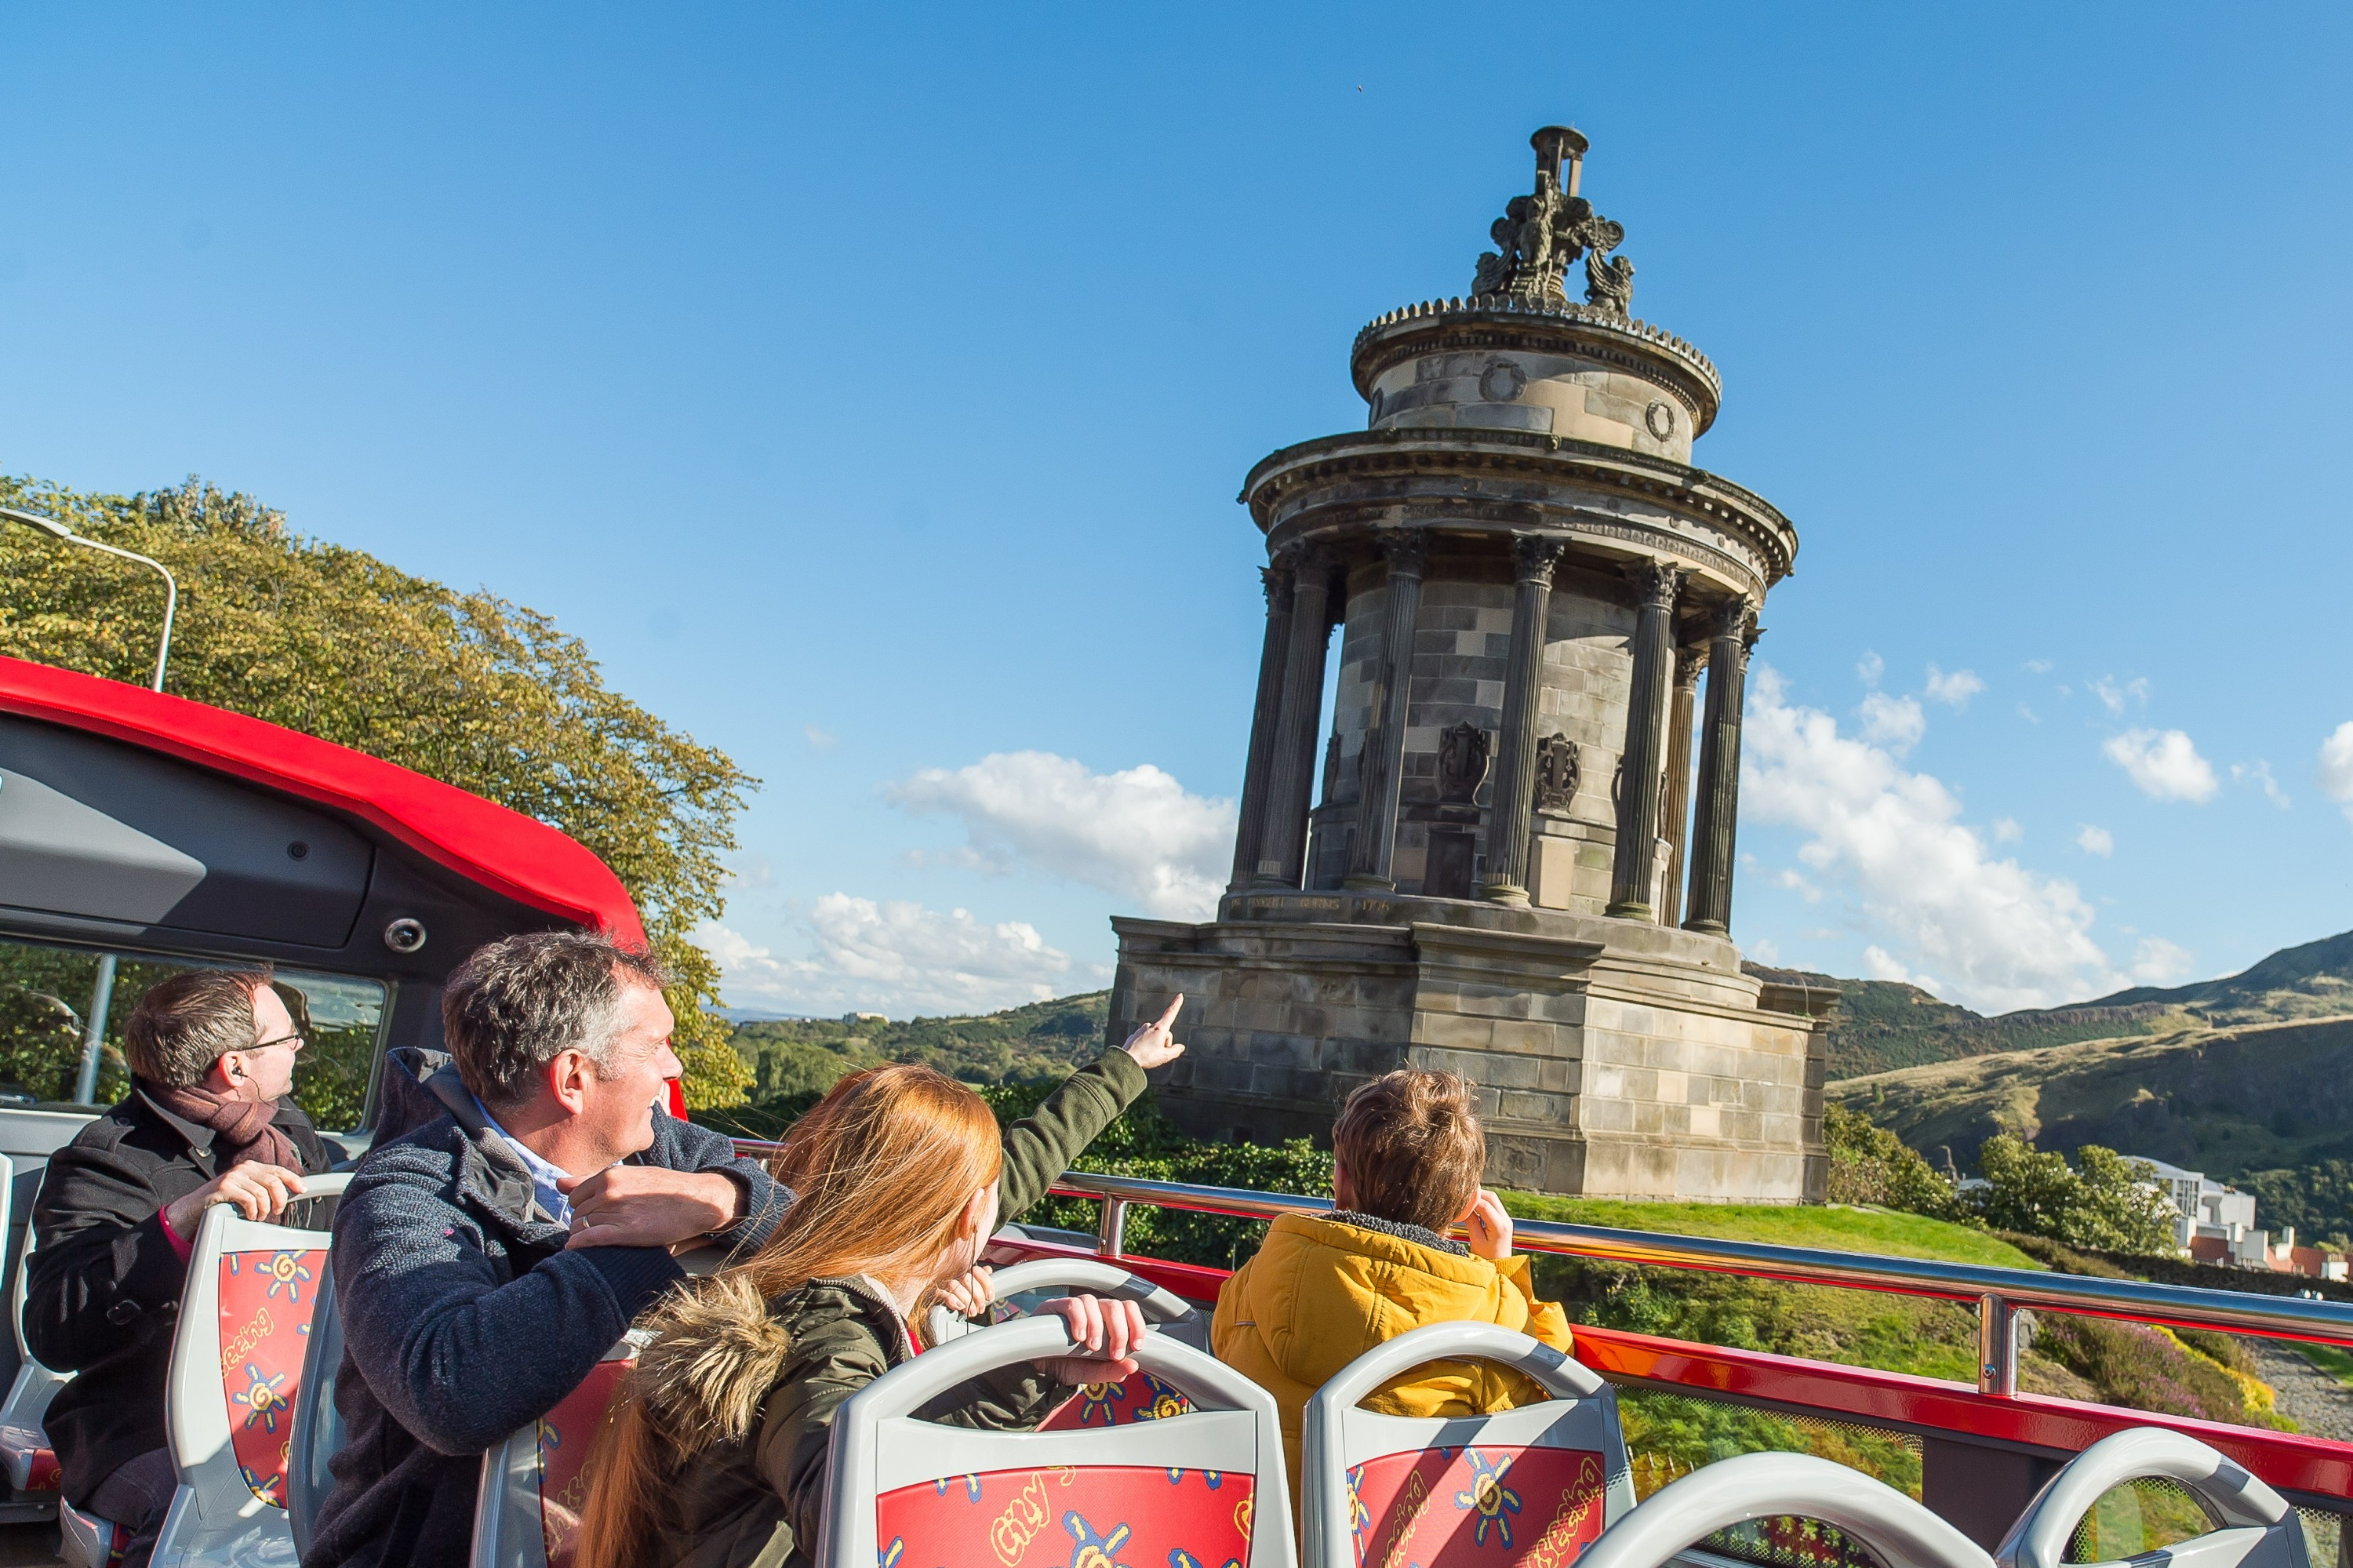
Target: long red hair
880,1170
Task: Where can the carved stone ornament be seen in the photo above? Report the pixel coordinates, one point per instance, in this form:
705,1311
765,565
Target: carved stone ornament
1534,556
1541,233
1556,773
1461,763
1407,550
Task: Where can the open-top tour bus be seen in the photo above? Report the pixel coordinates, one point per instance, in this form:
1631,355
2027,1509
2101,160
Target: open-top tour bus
140,831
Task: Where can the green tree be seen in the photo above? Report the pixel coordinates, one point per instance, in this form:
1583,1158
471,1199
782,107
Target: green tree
2106,1202
466,687
1870,1164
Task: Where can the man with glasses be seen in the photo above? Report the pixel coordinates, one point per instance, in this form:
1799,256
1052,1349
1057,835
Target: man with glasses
207,1121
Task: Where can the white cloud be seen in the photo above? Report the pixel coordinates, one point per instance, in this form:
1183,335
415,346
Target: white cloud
898,959
1895,722
2009,936
2260,772
1954,690
1879,964
2006,830
818,738
1796,882
1135,834
1765,952
2337,766
2038,666
2027,714
2113,696
2157,961
2095,841
1869,667
2162,764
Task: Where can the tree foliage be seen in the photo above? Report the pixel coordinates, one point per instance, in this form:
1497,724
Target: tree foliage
2104,1200
1870,1164
465,687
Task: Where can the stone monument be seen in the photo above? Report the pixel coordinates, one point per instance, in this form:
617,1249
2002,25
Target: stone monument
1536,591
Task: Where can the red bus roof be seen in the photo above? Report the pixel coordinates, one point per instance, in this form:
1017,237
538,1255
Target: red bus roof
482,841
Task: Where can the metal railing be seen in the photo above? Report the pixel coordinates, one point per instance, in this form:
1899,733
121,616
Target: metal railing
2000,1294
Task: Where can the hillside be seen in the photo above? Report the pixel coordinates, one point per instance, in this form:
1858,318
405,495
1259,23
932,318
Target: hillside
1884,1025
1041,1039
2268,1104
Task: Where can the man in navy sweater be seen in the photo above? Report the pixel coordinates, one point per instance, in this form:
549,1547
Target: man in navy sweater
527,1206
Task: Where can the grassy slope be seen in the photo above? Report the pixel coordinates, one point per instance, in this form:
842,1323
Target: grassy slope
1838,1228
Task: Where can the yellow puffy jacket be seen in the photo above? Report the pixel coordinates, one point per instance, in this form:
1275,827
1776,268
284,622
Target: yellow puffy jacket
1320,1293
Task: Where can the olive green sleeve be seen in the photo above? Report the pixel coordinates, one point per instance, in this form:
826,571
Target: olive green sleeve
1041,1147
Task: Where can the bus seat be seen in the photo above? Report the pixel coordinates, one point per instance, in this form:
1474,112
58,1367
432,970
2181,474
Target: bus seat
237,1367
1206,1486
1900,1533
1142,1397
2257,1527
26,1457
527,1509
86,1541
1542,1481
318,1424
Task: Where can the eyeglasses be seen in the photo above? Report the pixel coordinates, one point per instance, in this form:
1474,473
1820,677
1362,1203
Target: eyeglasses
294,1040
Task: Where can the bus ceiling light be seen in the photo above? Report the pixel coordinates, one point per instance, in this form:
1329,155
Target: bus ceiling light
405,935
57,530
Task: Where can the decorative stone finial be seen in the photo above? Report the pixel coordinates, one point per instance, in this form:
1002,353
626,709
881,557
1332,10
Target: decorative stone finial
1540,234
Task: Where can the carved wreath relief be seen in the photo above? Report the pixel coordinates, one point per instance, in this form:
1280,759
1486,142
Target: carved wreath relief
1461,763
1556,773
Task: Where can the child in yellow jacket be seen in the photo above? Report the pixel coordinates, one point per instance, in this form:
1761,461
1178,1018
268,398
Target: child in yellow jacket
1407,1153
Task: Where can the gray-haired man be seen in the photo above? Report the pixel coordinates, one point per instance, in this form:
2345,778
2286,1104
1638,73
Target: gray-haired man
485,1260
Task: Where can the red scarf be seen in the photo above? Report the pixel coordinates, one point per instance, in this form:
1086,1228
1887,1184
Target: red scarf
243,1128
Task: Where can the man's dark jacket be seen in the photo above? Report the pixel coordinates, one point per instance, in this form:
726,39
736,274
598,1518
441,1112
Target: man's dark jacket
102,1292
463,1316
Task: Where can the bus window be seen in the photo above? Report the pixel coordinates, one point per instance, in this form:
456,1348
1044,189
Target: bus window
49,996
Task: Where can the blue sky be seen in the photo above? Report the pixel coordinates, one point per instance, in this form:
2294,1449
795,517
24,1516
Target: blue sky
871,388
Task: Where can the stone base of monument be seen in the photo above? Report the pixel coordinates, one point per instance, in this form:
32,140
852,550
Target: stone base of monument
1613,1058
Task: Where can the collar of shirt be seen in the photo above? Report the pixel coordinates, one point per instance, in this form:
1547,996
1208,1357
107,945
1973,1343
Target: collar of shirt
544,1176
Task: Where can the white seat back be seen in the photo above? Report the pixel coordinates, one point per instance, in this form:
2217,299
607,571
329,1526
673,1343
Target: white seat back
1206,1486
2258,1529
1544,1479
237,1366
27,1459
1899,1532
527,1508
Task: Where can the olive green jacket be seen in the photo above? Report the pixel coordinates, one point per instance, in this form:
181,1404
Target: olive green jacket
743,1391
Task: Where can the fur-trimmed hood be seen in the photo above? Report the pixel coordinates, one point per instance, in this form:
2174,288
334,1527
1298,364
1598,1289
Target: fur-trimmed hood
718,1350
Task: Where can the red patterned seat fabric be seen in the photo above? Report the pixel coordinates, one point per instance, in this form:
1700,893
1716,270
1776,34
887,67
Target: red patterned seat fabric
266,1301
1142,1397
1438,1508
566,1435
1097,1516
31,1463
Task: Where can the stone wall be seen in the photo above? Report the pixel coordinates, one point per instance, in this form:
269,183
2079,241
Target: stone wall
1612,1058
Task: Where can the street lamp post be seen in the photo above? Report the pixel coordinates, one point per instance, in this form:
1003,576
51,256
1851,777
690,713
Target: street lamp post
102,993
57,530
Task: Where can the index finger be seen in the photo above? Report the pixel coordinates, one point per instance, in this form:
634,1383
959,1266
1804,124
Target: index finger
1169,1018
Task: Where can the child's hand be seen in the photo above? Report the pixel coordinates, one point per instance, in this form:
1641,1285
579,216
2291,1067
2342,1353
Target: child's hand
1151,1045
969,1293
1103,1333
1490,1227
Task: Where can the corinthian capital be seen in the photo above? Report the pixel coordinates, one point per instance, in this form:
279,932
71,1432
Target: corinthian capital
1737,618
1407,550
1661,582
1536,555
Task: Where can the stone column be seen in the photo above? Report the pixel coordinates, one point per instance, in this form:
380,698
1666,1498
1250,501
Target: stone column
1291,774
1719,770
1270,661
1408,550
1675,802
1637,797
1516,751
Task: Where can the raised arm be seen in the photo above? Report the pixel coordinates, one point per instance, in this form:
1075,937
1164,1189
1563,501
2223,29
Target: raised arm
1042,1146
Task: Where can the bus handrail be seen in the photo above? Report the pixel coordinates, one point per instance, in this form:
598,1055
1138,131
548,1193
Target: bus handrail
2000,1294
